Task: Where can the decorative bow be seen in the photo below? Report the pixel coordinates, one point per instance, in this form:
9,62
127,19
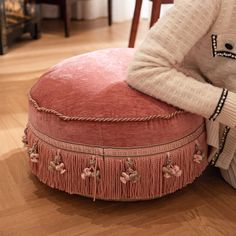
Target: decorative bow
57,164
33,153
171,169
130,174
92,170
198,155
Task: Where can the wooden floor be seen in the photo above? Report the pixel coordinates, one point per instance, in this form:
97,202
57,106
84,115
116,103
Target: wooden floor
27,207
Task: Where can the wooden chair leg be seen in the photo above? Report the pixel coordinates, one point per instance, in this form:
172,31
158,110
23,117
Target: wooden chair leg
66,8
156,9
109,4
3,31
135,23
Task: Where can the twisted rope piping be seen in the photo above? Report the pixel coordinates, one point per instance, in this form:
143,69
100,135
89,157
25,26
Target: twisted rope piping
103,119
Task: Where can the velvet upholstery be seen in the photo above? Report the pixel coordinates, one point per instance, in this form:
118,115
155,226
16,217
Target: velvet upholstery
92,85
89,133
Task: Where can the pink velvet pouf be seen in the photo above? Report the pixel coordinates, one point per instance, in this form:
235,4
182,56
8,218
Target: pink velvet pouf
90,133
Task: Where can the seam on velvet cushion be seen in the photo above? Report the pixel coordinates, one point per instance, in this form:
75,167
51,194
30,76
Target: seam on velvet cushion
119,151
103,119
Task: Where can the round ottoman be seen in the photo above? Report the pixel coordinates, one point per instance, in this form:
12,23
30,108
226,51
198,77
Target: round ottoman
90,133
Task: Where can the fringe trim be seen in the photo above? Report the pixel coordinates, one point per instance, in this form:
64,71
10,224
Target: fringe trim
150,184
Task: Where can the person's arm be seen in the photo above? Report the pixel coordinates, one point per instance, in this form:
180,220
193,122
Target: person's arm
153,69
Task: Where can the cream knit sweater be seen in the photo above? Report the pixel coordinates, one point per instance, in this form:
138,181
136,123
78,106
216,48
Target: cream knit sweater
188,59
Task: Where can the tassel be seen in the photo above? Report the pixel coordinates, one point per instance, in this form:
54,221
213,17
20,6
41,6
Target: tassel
171,169
33,153
130,174
57,164
24,138
34,157
91,171
198,155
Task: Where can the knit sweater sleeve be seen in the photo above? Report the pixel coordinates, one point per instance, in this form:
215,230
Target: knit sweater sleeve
153,70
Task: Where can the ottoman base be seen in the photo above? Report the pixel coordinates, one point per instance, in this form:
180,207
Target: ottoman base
116,173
